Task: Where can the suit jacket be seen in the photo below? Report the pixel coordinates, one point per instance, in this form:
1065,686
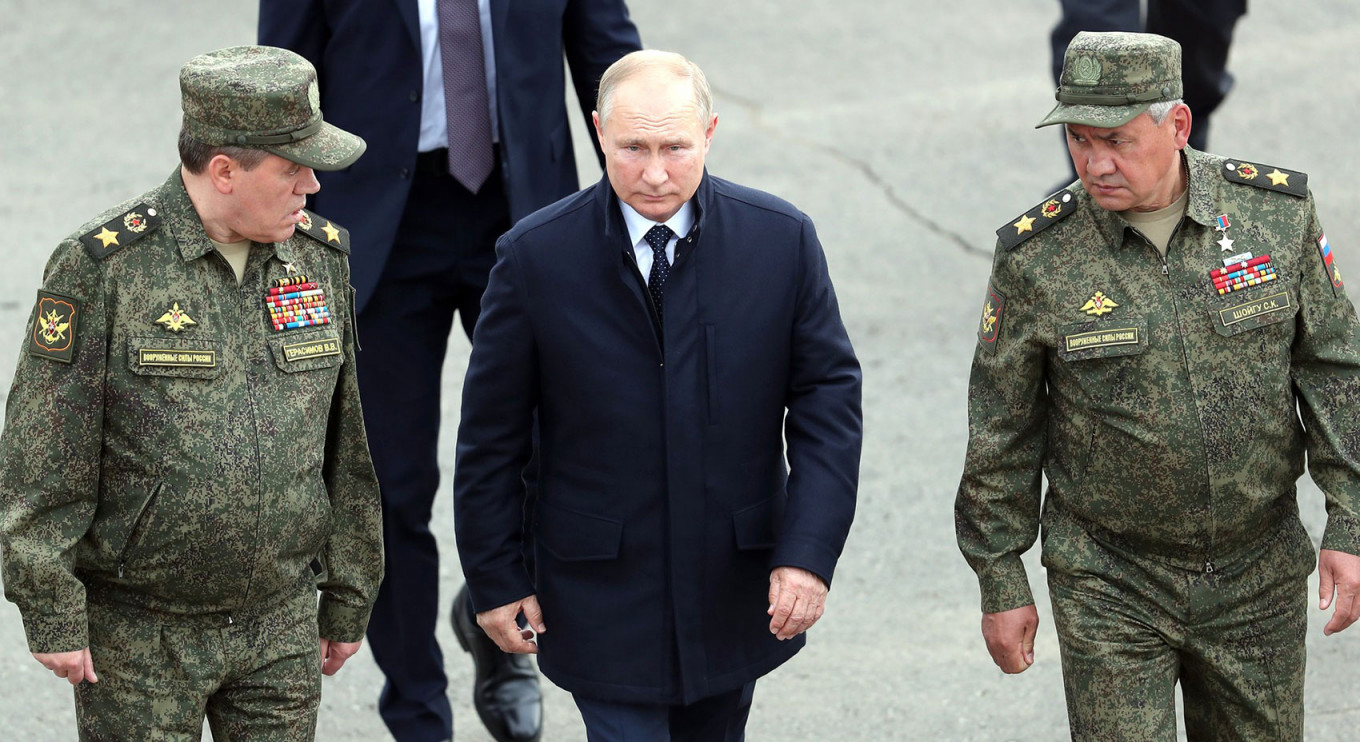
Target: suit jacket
663,500
368,62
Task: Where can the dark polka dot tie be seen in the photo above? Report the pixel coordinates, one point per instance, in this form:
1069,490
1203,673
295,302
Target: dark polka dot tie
658,237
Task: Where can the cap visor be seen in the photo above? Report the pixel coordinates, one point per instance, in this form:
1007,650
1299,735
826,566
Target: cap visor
331,148
1101,117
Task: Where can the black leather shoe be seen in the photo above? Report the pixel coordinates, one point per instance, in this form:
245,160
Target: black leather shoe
506,692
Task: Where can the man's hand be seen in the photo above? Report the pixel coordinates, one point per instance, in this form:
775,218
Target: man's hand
334,654
1339,575
797,599
75,666
1010,637
501,624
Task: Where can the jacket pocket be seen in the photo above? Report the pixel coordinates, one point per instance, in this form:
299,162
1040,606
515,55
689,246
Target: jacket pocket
1084,341
710,361
138,527
1256,309
572,536
307,351
757,526
183,358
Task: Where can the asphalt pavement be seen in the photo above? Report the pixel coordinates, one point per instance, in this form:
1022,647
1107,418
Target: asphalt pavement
905,130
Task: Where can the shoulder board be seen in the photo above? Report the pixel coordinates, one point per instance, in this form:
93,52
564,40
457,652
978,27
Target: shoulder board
1053,210
322,230
121,231
1268,177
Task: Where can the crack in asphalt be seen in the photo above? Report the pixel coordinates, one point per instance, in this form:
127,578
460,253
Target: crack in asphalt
899,203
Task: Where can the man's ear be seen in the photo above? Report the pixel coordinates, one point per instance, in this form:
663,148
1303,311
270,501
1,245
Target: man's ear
1181,120
221,172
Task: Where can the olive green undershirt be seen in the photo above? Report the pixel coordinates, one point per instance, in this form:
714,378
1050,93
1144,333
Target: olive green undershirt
1158,225
236,254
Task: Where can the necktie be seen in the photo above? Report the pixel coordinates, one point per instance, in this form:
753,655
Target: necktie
465,101
658,237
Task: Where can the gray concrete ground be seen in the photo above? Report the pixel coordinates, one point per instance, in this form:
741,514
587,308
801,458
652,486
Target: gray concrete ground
904,130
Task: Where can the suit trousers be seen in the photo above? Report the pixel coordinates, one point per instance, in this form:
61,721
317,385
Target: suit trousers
720,718
444,250
1130,627
1204,29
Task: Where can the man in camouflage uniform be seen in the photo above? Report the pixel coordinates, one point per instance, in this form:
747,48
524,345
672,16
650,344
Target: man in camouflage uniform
184,461
1150,338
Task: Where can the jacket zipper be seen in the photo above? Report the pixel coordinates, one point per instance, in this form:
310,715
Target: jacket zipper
134,534
1185,361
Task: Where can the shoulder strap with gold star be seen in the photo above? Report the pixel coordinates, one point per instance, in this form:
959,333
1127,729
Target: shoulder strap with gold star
324,231
1052,210
121,231
1268,177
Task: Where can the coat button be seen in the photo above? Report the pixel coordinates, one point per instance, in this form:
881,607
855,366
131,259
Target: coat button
405,173
415,96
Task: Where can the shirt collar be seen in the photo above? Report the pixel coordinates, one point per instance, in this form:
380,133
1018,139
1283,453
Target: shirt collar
680,223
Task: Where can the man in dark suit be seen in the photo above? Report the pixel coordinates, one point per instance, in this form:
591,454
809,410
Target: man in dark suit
462,104
668,331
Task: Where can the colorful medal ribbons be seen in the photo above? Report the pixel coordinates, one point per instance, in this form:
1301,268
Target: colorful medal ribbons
1238,276
297,302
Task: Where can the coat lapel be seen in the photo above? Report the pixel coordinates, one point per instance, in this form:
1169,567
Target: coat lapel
410,15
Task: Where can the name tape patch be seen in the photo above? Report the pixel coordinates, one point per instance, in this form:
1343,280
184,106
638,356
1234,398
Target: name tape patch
1101,338
311,349
1265,305
171,357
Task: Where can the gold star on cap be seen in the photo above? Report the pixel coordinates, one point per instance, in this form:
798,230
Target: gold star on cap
107,237
1278,178
176,319
332,234
1026,224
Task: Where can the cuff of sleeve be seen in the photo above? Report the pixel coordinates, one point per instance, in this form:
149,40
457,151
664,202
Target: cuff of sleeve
1004,586
1342,533
47,633
493,589
806,554
341,622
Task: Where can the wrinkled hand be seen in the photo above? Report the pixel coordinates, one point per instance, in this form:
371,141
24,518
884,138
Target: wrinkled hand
75,666
1339,575
334,654
502,626
797,599
1010,637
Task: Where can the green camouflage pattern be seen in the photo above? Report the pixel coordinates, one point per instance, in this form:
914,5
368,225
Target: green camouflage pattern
1108,78
263,97
1131,628
159,675
1165,416
189,468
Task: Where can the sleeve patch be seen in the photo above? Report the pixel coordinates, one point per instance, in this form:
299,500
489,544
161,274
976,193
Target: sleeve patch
993,309
54,327
1328,264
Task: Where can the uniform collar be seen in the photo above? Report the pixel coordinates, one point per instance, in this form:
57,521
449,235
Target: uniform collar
1199,205
178,211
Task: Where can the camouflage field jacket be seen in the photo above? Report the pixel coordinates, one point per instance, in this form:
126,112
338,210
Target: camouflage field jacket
170,443
1169,402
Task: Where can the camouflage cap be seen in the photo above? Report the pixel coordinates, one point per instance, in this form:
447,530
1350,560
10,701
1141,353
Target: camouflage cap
1109,78
264,98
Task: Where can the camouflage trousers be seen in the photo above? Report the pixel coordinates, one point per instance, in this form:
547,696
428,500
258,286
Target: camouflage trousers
257,678
1131,627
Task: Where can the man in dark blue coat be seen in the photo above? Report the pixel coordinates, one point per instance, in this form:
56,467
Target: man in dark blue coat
418,79
670,332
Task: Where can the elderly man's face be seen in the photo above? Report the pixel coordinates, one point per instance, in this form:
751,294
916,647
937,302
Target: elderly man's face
266,201
1135,166
654,143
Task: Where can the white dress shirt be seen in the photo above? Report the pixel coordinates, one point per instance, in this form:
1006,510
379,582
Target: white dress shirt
638,225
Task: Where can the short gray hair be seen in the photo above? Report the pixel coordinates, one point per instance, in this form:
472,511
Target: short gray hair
631,64
1161,109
